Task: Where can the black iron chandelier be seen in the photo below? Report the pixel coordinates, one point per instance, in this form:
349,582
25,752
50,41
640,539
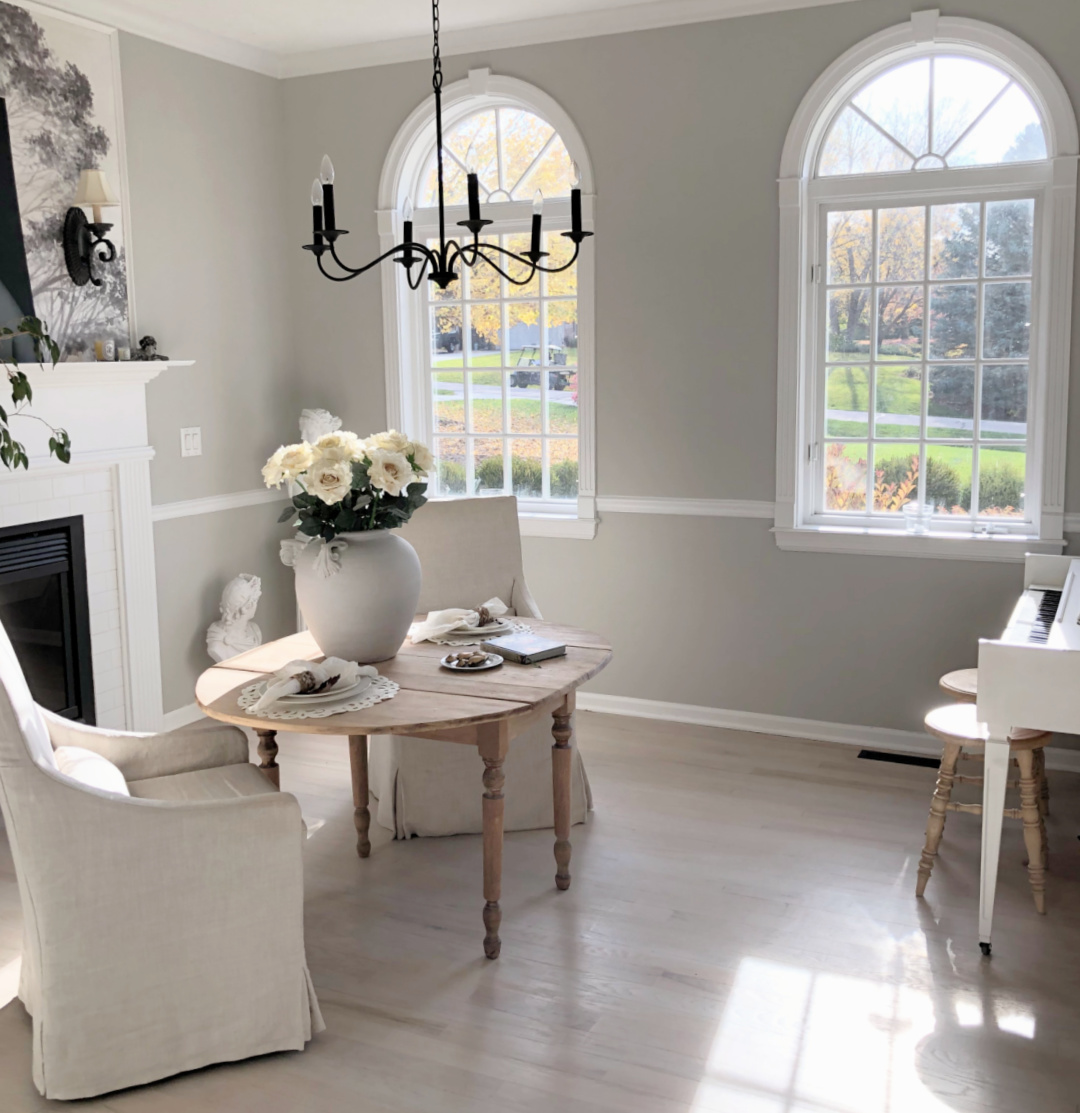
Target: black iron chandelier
443,260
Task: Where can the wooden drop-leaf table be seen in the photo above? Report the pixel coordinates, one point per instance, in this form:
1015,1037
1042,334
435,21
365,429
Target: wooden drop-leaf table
486,710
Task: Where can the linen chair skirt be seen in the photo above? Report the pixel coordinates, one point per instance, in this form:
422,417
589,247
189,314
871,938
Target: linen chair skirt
427,788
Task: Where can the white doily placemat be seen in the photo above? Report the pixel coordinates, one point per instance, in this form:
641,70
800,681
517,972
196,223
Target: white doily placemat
381,688
463,639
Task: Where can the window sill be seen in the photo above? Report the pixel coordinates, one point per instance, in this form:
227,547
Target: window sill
557,525
871,542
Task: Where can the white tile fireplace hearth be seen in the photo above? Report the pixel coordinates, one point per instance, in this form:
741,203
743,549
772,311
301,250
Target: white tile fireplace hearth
103,408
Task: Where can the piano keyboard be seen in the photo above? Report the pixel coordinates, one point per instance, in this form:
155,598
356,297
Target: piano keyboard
1044,616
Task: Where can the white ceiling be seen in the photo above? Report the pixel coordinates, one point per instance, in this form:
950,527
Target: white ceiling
287,37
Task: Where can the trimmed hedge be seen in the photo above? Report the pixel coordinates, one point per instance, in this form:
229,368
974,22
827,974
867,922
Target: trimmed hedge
999,485
526,476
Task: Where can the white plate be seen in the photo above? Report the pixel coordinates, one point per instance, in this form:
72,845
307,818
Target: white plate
493,662
330,694
492,630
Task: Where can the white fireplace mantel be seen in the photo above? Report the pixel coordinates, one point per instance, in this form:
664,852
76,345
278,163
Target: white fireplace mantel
103,408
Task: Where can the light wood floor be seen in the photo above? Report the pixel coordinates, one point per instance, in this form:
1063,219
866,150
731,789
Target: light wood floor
741,936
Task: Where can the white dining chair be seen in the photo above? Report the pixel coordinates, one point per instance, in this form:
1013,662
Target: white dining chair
470,551
162,896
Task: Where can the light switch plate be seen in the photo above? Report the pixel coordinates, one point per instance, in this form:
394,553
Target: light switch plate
191,441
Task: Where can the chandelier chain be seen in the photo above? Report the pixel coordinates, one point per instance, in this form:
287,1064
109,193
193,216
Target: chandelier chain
436,56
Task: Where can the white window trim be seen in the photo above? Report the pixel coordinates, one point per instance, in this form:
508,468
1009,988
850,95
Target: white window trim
408,394
1053,183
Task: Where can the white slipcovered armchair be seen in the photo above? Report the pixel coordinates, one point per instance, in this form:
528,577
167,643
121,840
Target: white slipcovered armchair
470,551
163,930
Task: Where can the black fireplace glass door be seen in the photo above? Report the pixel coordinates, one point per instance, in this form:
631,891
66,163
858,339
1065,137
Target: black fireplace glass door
33,611
44,609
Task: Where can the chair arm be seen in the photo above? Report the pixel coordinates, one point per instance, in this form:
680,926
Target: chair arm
135,899
204,745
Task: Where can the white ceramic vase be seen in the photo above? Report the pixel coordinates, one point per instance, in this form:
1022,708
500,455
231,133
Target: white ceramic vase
357,593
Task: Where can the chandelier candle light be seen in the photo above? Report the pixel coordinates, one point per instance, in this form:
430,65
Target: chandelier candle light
442,261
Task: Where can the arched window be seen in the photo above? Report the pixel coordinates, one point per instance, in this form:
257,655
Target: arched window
497,377
927,220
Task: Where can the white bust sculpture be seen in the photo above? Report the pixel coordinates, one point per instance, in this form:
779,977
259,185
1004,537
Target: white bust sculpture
317,423
235,632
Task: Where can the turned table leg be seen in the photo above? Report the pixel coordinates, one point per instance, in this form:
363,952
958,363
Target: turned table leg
268,749
561,755
493,746
358,760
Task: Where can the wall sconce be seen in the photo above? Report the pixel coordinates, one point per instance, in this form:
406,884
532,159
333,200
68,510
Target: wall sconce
84,241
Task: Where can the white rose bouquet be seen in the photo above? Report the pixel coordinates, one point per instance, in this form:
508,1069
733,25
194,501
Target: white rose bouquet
350,484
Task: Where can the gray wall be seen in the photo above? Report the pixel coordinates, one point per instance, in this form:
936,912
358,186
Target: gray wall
205,154
685,127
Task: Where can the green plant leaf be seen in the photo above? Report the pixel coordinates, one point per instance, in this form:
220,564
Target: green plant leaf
287,513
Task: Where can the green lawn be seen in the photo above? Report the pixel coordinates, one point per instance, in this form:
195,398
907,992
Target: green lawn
954,455
525,414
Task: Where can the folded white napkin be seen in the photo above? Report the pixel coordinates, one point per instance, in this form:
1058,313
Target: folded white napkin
454,619
310,676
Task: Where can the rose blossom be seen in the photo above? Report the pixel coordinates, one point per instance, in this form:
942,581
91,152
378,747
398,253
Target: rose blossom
287,463
390,471
330,479
390,441
340,446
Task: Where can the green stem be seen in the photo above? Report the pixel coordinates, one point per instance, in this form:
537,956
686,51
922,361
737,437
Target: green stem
374,506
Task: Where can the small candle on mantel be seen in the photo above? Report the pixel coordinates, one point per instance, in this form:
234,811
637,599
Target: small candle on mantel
326,176
316,211
538,213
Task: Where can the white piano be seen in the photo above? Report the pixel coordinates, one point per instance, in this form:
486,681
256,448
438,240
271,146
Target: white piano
1029,677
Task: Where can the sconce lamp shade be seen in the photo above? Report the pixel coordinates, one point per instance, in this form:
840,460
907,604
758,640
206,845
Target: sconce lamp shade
94,189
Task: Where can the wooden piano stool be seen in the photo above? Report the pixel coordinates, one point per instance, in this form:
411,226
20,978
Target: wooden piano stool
958,727
963,686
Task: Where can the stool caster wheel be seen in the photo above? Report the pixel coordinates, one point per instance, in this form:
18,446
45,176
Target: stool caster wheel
985,948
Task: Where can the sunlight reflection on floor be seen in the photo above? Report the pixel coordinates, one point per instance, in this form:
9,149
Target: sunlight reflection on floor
794,1040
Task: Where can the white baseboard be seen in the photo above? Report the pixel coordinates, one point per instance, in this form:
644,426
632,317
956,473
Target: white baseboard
871,738
182,716
755,722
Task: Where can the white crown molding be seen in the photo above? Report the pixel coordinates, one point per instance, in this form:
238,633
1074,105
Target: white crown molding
529,32
871,738
211,504
694,508
172,32
127,16
1072,523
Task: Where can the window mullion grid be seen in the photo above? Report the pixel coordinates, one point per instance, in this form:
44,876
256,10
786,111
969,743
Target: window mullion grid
871,427
924,410
504,379
930,121
976,424
500,155
466,395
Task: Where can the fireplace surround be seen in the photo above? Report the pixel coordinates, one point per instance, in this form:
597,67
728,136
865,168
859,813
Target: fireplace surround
107,486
